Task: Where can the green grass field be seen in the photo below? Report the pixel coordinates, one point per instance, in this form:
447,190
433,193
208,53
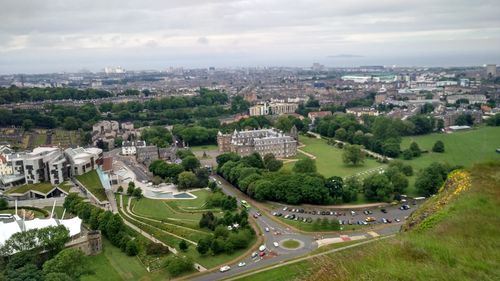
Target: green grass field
469,223
44,188
329,159
92,182
112,264
461,148
464,148
204,147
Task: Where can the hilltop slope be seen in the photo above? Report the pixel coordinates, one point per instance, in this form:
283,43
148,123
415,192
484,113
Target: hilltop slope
454,236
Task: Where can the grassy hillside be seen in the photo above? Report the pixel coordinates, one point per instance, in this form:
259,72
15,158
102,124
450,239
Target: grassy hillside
461,148
454,236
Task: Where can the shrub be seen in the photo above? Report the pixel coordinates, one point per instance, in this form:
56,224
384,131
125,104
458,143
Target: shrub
438,147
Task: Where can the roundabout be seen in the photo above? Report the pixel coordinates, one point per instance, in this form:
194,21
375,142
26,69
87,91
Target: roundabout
291,244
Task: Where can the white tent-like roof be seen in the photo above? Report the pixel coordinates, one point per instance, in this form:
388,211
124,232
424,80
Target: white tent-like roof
7,230
10,228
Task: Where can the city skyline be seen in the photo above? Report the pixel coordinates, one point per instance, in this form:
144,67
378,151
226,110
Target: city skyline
56,37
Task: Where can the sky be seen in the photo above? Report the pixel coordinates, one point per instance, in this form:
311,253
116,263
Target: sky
59,35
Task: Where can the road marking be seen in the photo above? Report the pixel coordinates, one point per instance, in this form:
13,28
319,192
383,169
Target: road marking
373,234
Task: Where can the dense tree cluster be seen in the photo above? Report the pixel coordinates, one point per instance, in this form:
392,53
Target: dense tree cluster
388,185
431,178
251,176
111,225
14,94
225,240
195,135
49,239
220,200
380,134
176,265
494,120
186,175
158,136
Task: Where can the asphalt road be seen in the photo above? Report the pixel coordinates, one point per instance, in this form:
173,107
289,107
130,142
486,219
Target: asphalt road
279,254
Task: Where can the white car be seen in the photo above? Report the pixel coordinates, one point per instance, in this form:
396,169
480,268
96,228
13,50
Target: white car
225,268
241,264
276,244
266,229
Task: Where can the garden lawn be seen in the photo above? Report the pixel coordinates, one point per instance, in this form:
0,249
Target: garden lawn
197,204
329,159
44,188
92,182
461,148
204,147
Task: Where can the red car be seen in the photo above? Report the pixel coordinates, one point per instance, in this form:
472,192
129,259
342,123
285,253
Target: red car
261,254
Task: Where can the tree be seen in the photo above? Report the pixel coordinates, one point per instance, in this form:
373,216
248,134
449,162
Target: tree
120,189
377,188
306,165
398,180
178,265
407,154
204,245
464,120
131,188
212,185
183,245
430,179
57,276
69,261
28,271
71,123
137,193
3,203
438,147
341,134
27,124
190,163
415,150
132,247
283,123
352,186
353,154
187,180
440,124
335,186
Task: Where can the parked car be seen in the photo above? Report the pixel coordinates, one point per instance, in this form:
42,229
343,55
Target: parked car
276,244
254,254
383,211
266,229
261,254
369,219
225,268
397,220
241,264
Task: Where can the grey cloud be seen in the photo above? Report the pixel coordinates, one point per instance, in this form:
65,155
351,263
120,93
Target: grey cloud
305,30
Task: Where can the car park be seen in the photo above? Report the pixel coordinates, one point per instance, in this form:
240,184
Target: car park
225,268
